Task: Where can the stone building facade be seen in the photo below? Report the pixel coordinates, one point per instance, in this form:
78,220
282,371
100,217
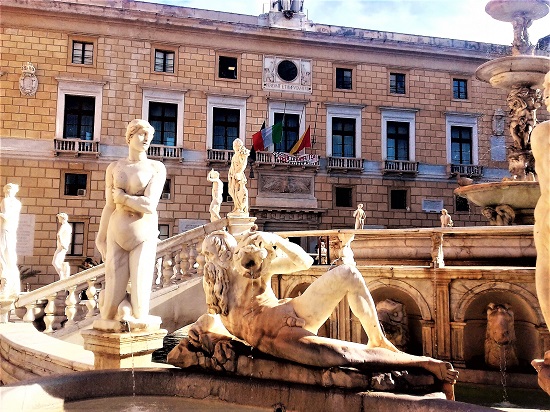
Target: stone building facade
392,117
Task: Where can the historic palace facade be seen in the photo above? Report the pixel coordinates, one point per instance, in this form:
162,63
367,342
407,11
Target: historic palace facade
393,117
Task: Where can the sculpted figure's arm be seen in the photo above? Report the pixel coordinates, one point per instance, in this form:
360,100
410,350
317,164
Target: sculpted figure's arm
292,259
108,209
146,203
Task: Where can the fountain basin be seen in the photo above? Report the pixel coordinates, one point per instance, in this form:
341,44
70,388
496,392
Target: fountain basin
510,71
59,392
519,195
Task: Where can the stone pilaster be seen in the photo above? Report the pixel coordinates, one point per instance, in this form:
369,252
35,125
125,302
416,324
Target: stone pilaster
457,343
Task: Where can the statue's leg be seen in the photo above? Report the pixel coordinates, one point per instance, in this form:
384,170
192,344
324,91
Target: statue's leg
142,266
117,274
321,297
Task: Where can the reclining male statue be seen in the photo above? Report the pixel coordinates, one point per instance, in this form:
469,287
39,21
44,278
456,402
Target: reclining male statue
237,282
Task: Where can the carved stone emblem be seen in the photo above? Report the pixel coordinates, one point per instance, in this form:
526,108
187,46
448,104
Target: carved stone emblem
28,83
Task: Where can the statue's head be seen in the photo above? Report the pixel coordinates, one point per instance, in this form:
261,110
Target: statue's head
213,175
11,189
237,144
546,93
63,217
137,125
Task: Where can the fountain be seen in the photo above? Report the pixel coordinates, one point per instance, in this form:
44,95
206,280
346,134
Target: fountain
522,75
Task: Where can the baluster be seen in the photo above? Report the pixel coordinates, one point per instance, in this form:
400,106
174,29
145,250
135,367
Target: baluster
167,269
30,315
193,253
91,303
70,304
177,266
49,311
184,255
200,261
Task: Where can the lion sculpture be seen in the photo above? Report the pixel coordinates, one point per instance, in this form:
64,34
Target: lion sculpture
500,338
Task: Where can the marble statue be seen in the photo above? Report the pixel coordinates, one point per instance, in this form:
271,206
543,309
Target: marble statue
540,144
217,195
128,232
500,337
242,304
64,236
237,179
10,208
445,218
392,315
359,216
501,215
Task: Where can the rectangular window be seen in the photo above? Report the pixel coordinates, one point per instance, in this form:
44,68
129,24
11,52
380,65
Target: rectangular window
343,196
227,67
461,145
83,53
398,199
164,231
291,131
164,118
343,137
397,141
78,120
167,190
225,127
225,194
75,184
460,89
344,78
461,204
397,83
77,241
164,61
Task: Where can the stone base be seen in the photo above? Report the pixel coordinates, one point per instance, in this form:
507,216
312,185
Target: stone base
122,350
237,358
149,323
239,223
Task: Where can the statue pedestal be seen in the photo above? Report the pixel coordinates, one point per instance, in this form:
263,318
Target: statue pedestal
122,350
6,305
239,223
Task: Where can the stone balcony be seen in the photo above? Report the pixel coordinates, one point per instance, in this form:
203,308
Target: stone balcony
466,170
400,167
344,164
76,147
162,152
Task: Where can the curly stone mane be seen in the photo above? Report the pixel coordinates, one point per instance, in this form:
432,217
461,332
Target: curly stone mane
218,249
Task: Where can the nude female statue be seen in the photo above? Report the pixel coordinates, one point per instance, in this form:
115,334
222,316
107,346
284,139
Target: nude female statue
128,230
237,179
237,281
217,195
10,208
63,242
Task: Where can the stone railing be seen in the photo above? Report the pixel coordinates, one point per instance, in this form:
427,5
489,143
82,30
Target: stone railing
286,159
435,247
400,166
162,152
344,164
219,156
467,170
76,147
177,260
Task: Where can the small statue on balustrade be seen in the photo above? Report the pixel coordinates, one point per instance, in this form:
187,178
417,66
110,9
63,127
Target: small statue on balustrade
445,218
237,179
217,195
10,209
128,234
64,236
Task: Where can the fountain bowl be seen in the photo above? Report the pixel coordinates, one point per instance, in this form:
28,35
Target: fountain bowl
507,72
519,195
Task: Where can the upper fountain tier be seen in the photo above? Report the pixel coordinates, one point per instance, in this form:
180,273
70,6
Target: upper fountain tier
522,68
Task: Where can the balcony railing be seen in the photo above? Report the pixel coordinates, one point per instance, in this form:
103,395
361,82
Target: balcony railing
400,166
76,147
467,170
162,152
219,156
286,159
344,164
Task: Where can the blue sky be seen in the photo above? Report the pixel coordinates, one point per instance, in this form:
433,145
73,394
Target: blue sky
456,19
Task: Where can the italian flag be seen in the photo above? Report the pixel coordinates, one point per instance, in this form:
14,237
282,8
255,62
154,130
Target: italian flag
267,136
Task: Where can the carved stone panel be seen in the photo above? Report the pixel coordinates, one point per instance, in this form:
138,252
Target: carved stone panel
286,74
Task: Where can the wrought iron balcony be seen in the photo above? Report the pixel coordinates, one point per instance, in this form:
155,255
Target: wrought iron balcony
400,166
344,164
467,170
162,152
76,147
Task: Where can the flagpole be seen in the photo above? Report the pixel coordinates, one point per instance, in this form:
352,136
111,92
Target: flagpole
315,126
